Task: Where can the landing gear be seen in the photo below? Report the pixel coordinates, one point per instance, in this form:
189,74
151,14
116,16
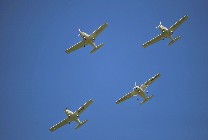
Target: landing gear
69,122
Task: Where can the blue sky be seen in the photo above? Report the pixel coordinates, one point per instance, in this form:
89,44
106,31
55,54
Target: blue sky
38,80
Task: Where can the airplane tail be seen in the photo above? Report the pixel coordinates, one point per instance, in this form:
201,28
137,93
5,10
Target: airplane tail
97,47
174,40
147,99
82,123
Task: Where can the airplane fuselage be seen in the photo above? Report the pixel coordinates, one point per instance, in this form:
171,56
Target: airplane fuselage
168,33
87,38
139,91
68,112
72,116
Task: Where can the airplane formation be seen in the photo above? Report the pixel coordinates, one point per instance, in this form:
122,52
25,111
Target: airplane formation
137,90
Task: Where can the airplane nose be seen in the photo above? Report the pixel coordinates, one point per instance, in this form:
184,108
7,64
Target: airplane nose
65,109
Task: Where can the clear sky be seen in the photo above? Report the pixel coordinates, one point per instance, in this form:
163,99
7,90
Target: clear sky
38,80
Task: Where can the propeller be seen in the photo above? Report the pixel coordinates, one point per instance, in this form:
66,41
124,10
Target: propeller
66,108
135,84
159,25
79,33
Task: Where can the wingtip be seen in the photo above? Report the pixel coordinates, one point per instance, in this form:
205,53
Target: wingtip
117,102
51,129
66,52
186,16
105,24
91,100
144,45
158,75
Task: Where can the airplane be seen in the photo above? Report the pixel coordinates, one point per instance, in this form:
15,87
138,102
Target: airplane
88,39
166,33
72,116
139,91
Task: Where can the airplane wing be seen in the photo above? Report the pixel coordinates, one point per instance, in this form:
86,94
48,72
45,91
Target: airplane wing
125,97
154,40
75,47
83,107
150,81
60,124
99,30
178,23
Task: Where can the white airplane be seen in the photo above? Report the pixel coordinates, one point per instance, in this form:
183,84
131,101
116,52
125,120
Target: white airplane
139,91
166,33
88,39
72,116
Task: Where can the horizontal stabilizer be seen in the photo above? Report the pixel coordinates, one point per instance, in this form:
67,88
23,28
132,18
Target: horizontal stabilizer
173,41
97,47
82,123
147,99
